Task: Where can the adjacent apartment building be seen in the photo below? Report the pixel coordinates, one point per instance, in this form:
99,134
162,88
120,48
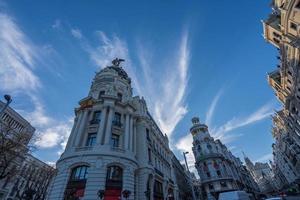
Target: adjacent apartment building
22,176
282,29
219,170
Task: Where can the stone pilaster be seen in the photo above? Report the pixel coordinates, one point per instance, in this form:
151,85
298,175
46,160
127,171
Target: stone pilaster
108,126
100,132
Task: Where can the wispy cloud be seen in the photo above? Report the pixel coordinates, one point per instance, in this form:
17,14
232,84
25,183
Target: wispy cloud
265,158
76,33
18,59
238,122
170,106
212,107
164,95
50,132
56,24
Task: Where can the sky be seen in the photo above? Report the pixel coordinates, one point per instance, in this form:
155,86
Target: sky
186,58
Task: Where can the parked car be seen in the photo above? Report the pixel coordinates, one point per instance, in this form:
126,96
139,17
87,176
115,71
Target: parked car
234,195
276,198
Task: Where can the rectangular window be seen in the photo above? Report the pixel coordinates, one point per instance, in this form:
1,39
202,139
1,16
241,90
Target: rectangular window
101,94
115,140
298,5
149,155
119,96
147,134
208,174
117,119
218,173
293,26
96,117
91,141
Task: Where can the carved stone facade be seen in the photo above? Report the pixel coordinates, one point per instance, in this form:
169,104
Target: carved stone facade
282,29
115,147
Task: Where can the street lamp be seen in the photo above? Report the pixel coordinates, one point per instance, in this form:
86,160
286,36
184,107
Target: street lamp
126,194
8,101
190,178
101,194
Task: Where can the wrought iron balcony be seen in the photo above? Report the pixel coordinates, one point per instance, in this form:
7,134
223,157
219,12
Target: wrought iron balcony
117,123
95,121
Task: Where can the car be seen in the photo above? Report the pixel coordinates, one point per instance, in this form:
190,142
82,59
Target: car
276,198
234,195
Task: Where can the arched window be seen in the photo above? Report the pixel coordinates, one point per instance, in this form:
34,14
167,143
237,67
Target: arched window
209,146
77,181
114,180
114,173
79,173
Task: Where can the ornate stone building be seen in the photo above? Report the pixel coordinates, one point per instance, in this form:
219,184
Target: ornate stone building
282,29
115,148
263,175
219,170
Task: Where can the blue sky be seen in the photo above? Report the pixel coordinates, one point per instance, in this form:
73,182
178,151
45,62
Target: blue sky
195,58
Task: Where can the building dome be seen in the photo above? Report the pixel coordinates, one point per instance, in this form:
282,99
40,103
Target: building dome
121,72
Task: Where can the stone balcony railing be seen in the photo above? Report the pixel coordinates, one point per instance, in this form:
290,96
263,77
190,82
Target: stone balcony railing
215,178
209,155
86,148
118,149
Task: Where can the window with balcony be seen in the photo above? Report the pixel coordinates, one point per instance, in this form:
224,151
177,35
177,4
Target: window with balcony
158,190
96,117
101,93
91,140
114,182
117,119
293,26
115,140
120,96
276,40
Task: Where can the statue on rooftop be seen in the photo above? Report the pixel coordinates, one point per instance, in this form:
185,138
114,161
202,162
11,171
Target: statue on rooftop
117,61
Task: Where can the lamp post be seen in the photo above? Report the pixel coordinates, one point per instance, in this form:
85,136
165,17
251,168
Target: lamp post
190,178
8,101
126,194
100,194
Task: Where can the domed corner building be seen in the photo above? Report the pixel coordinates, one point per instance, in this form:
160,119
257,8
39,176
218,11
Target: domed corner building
219,170
115,149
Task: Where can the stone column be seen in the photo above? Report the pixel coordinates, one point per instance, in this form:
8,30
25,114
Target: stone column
108,126
100,131
126,140
134,139
131,134
74,131
81,128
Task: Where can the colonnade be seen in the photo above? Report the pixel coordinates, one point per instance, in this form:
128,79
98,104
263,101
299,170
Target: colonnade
104,131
